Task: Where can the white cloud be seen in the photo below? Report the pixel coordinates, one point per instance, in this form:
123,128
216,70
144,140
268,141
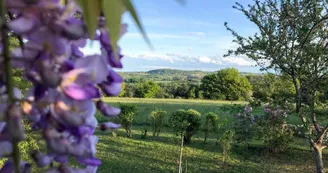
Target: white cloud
190,48
155,67
152,55
240,61
205,59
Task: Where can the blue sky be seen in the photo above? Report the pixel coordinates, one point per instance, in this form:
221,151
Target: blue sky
190,36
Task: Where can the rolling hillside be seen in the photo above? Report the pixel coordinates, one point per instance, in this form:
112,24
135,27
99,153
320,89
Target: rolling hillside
167,75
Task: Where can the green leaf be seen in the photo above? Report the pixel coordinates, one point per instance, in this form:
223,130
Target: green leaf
129,6
91,12
113,10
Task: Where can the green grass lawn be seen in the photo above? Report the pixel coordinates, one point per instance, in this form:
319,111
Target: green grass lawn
159,155
121,154
146,106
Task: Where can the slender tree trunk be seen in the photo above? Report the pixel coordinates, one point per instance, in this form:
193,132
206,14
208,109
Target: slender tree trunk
298,95
318,157
181,151
312,113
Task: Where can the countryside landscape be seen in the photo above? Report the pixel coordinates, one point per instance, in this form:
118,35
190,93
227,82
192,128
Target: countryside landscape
182,86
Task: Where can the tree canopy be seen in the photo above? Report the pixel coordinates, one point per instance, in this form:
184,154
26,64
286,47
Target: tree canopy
226,84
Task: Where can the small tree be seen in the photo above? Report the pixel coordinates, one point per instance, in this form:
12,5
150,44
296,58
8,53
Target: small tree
126,117
157,121
226,141
210,124
147,89
226,84
272,128
185,123
245,126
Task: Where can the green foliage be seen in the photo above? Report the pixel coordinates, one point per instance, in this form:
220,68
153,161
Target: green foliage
254,103
113,11
291,39
186,123
226,84
211,124
129,90
126,117
148,89
165,76
245,126
226,141
91,12
20,82
13,43
272,86
273,130
146,106
123,90
157,121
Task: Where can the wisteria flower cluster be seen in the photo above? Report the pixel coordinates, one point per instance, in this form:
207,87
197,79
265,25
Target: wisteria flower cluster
66,84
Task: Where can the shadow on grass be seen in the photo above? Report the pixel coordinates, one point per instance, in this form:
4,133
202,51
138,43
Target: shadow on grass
254,159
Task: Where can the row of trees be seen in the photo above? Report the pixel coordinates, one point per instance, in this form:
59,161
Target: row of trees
226,84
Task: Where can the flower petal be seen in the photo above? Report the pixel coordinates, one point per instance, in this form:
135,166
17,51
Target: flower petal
109,125
7,167
22,25
82,92
76,51
111,89
17,93
42,160
91,169
61,159
108,110
90,161
6,148
95,66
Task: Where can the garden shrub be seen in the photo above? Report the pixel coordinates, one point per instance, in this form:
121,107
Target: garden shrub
245,126
270,128
226,141
126,117
273,129
157,121
186,123
210,124
254,103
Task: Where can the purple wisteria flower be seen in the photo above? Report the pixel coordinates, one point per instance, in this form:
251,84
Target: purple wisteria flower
61,104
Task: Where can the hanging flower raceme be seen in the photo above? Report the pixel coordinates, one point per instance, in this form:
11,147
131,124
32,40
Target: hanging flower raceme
60,105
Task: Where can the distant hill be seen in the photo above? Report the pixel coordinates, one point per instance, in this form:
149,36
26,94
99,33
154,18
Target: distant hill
175,71
168,75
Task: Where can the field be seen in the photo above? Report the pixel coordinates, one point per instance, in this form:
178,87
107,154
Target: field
145,106
121,154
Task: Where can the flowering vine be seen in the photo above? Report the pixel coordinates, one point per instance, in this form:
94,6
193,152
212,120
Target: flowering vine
66,83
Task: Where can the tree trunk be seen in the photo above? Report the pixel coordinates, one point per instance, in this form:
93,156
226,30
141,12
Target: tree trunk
318,159
298,96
